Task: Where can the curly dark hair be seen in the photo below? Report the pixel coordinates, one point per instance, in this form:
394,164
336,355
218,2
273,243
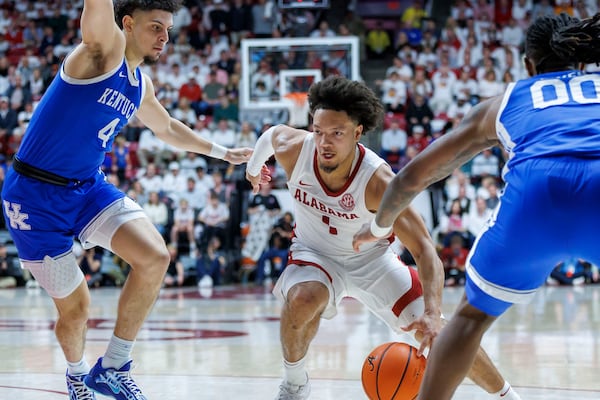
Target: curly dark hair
355,98
561,42
127,7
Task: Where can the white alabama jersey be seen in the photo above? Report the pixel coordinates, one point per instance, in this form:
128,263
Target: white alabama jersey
326,221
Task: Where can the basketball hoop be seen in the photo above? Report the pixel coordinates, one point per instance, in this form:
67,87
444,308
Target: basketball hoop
297,104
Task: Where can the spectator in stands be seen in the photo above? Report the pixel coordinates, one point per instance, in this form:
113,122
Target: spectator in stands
493,198
418,138
409,154
175,275
214,218
418,112
513,34
459,107
467,86
191,93
173,181
210,264
137,192
463,199
394,93
195,194
277,251
90,263
213,90
479,215
414,14
393,144
8,122
503,12
227,111
454,257
404,70
183,228
122,162
443,81
150,148
378,41
240,20
222,189
184,112
190,162
223,134
521,9
420,85
246,137
157,212
454,221
485,164
202,178
151,180
489,86
323,31
454,184
263,18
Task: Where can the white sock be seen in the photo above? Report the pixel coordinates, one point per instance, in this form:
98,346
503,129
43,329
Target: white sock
506,393
117,353
295,372
80,367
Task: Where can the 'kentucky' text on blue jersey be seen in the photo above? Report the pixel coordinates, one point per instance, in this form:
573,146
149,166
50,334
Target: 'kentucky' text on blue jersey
530,125
82,133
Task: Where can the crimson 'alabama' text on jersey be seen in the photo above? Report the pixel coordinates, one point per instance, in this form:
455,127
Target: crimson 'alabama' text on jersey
528,125
83,131
328,220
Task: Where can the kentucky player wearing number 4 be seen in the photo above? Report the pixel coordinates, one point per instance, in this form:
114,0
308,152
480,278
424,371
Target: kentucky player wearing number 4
336,184
55,190
550,126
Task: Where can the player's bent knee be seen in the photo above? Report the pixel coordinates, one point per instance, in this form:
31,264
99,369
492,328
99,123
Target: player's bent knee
310,297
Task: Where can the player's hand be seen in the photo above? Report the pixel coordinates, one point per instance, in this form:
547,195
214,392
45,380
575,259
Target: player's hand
261,179
428,326
238,156
364,235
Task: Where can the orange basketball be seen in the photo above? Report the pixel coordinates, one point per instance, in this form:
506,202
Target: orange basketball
393,371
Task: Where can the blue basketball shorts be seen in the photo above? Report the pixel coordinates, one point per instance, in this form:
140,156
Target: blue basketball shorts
548,212
43,218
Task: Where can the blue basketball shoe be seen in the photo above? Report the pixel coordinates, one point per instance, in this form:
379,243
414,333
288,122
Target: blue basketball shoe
116,383
77,389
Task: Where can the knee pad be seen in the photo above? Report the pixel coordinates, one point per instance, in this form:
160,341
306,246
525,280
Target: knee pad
59,276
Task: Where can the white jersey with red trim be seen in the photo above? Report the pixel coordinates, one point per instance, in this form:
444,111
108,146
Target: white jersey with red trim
326,221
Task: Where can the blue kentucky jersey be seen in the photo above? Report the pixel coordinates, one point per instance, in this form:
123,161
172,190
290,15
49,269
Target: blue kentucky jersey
75,123
551,115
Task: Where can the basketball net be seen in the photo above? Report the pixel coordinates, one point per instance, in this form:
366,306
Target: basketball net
297,104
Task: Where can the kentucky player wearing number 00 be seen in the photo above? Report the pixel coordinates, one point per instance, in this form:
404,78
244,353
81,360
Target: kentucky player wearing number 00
55,189
550,126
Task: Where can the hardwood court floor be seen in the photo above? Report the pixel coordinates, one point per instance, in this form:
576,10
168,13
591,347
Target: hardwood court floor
224,344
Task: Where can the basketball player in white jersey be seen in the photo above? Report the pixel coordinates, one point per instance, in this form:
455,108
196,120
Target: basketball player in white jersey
336,184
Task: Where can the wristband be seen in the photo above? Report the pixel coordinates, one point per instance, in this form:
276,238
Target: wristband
378,231
218,151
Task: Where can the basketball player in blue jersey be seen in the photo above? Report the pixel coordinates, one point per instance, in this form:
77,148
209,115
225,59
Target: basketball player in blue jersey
337,184
550,126
55,190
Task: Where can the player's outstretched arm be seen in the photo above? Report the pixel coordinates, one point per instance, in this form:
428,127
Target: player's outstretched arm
477,131
152,114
